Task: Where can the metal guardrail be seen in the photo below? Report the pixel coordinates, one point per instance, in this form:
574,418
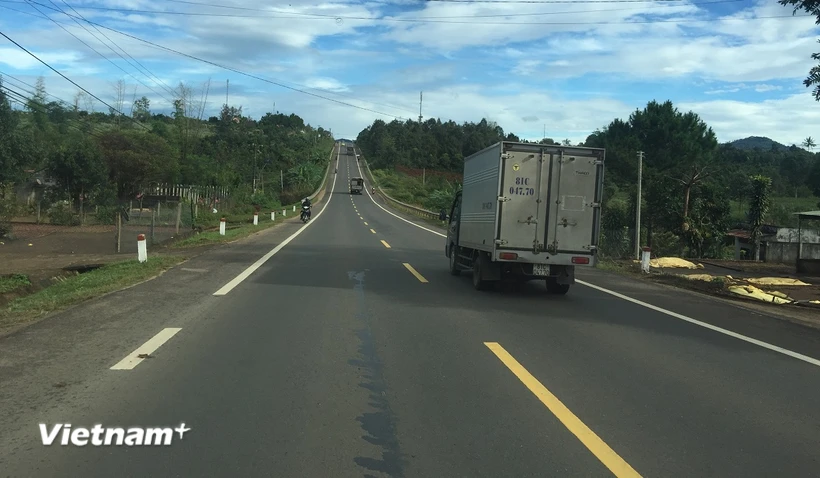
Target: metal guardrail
327,174
324,179
418,211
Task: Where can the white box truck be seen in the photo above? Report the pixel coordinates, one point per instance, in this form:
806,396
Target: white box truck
527,211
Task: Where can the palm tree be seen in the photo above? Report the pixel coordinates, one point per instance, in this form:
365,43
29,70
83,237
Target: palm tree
809,143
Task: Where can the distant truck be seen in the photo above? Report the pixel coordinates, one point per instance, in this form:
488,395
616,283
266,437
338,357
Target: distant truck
351,151
527,211
356,185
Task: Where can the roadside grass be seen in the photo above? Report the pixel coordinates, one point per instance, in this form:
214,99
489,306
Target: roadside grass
232,233
432,194
77,288
13,282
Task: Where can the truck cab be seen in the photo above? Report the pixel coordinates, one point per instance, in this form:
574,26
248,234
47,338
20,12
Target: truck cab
356,185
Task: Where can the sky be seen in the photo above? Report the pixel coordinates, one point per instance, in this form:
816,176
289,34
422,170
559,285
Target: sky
567,67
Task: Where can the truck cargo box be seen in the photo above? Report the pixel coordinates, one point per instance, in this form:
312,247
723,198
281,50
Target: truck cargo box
541,201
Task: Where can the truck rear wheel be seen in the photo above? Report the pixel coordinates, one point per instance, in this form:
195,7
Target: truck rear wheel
553,287
454,270
478,282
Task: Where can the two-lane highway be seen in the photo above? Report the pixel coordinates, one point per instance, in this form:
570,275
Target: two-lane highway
351,351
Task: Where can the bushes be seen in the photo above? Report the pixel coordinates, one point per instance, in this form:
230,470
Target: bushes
61,214
8,209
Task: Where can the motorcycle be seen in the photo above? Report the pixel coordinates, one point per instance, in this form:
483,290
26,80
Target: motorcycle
305,213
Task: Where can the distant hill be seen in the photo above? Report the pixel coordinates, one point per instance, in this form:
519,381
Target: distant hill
753,142
345,140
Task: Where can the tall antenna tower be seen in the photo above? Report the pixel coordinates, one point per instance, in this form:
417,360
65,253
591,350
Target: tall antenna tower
227,89
420,101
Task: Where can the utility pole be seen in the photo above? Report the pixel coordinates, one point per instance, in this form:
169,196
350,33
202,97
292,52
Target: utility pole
420,101
254,166
638,208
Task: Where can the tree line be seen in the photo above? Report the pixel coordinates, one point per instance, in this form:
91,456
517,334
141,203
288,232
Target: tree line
104,159
690,181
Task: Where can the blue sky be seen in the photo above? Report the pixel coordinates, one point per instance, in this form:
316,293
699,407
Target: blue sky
569,66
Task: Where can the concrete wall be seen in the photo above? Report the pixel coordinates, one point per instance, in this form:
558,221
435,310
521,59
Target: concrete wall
789,234
786,252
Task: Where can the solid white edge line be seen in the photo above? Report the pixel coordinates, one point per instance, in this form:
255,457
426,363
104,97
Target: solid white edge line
715,328
256,265
388,212
155,342
765,345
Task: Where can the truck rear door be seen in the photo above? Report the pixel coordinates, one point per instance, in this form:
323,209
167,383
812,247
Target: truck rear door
524,179
574,200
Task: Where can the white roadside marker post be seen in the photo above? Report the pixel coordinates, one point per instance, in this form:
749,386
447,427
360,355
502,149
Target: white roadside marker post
222,227
142,248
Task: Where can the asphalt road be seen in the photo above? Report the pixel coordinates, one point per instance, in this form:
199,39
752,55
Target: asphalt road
352,352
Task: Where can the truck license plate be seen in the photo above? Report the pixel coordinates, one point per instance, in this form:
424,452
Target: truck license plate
540,270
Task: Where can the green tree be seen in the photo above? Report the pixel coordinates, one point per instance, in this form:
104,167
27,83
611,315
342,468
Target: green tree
812,7
135,158
141,110
78,167
759,204
11,145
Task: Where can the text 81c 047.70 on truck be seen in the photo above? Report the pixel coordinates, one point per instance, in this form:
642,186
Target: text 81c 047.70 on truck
527,211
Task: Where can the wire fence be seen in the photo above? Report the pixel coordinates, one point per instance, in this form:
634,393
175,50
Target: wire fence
617,243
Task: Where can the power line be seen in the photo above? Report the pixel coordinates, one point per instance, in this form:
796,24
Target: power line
450,22
546,2
238,71
32,103
149,75
425,19
27,102
95,50
72,81
213,64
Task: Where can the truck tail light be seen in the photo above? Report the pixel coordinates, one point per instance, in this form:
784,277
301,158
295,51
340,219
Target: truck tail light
508,256
580,260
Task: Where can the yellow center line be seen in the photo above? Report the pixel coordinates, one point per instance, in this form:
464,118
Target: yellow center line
374,232
385,244
617,465
415,273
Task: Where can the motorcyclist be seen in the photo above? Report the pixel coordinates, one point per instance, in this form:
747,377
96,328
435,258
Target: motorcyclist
306,204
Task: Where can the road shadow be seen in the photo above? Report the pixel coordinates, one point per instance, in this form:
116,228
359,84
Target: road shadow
379,424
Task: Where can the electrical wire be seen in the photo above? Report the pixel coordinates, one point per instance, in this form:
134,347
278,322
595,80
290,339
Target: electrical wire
72,81
436,20
274,81
97,51
148,73
314,16
171,50
27,102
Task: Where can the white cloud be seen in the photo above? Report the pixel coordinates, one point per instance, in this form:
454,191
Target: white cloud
788,120
21,60
764,88
521,65
329,84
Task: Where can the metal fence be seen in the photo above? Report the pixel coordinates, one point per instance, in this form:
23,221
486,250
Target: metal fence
617,243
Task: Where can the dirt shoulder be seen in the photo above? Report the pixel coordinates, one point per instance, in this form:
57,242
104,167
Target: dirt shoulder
719,289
